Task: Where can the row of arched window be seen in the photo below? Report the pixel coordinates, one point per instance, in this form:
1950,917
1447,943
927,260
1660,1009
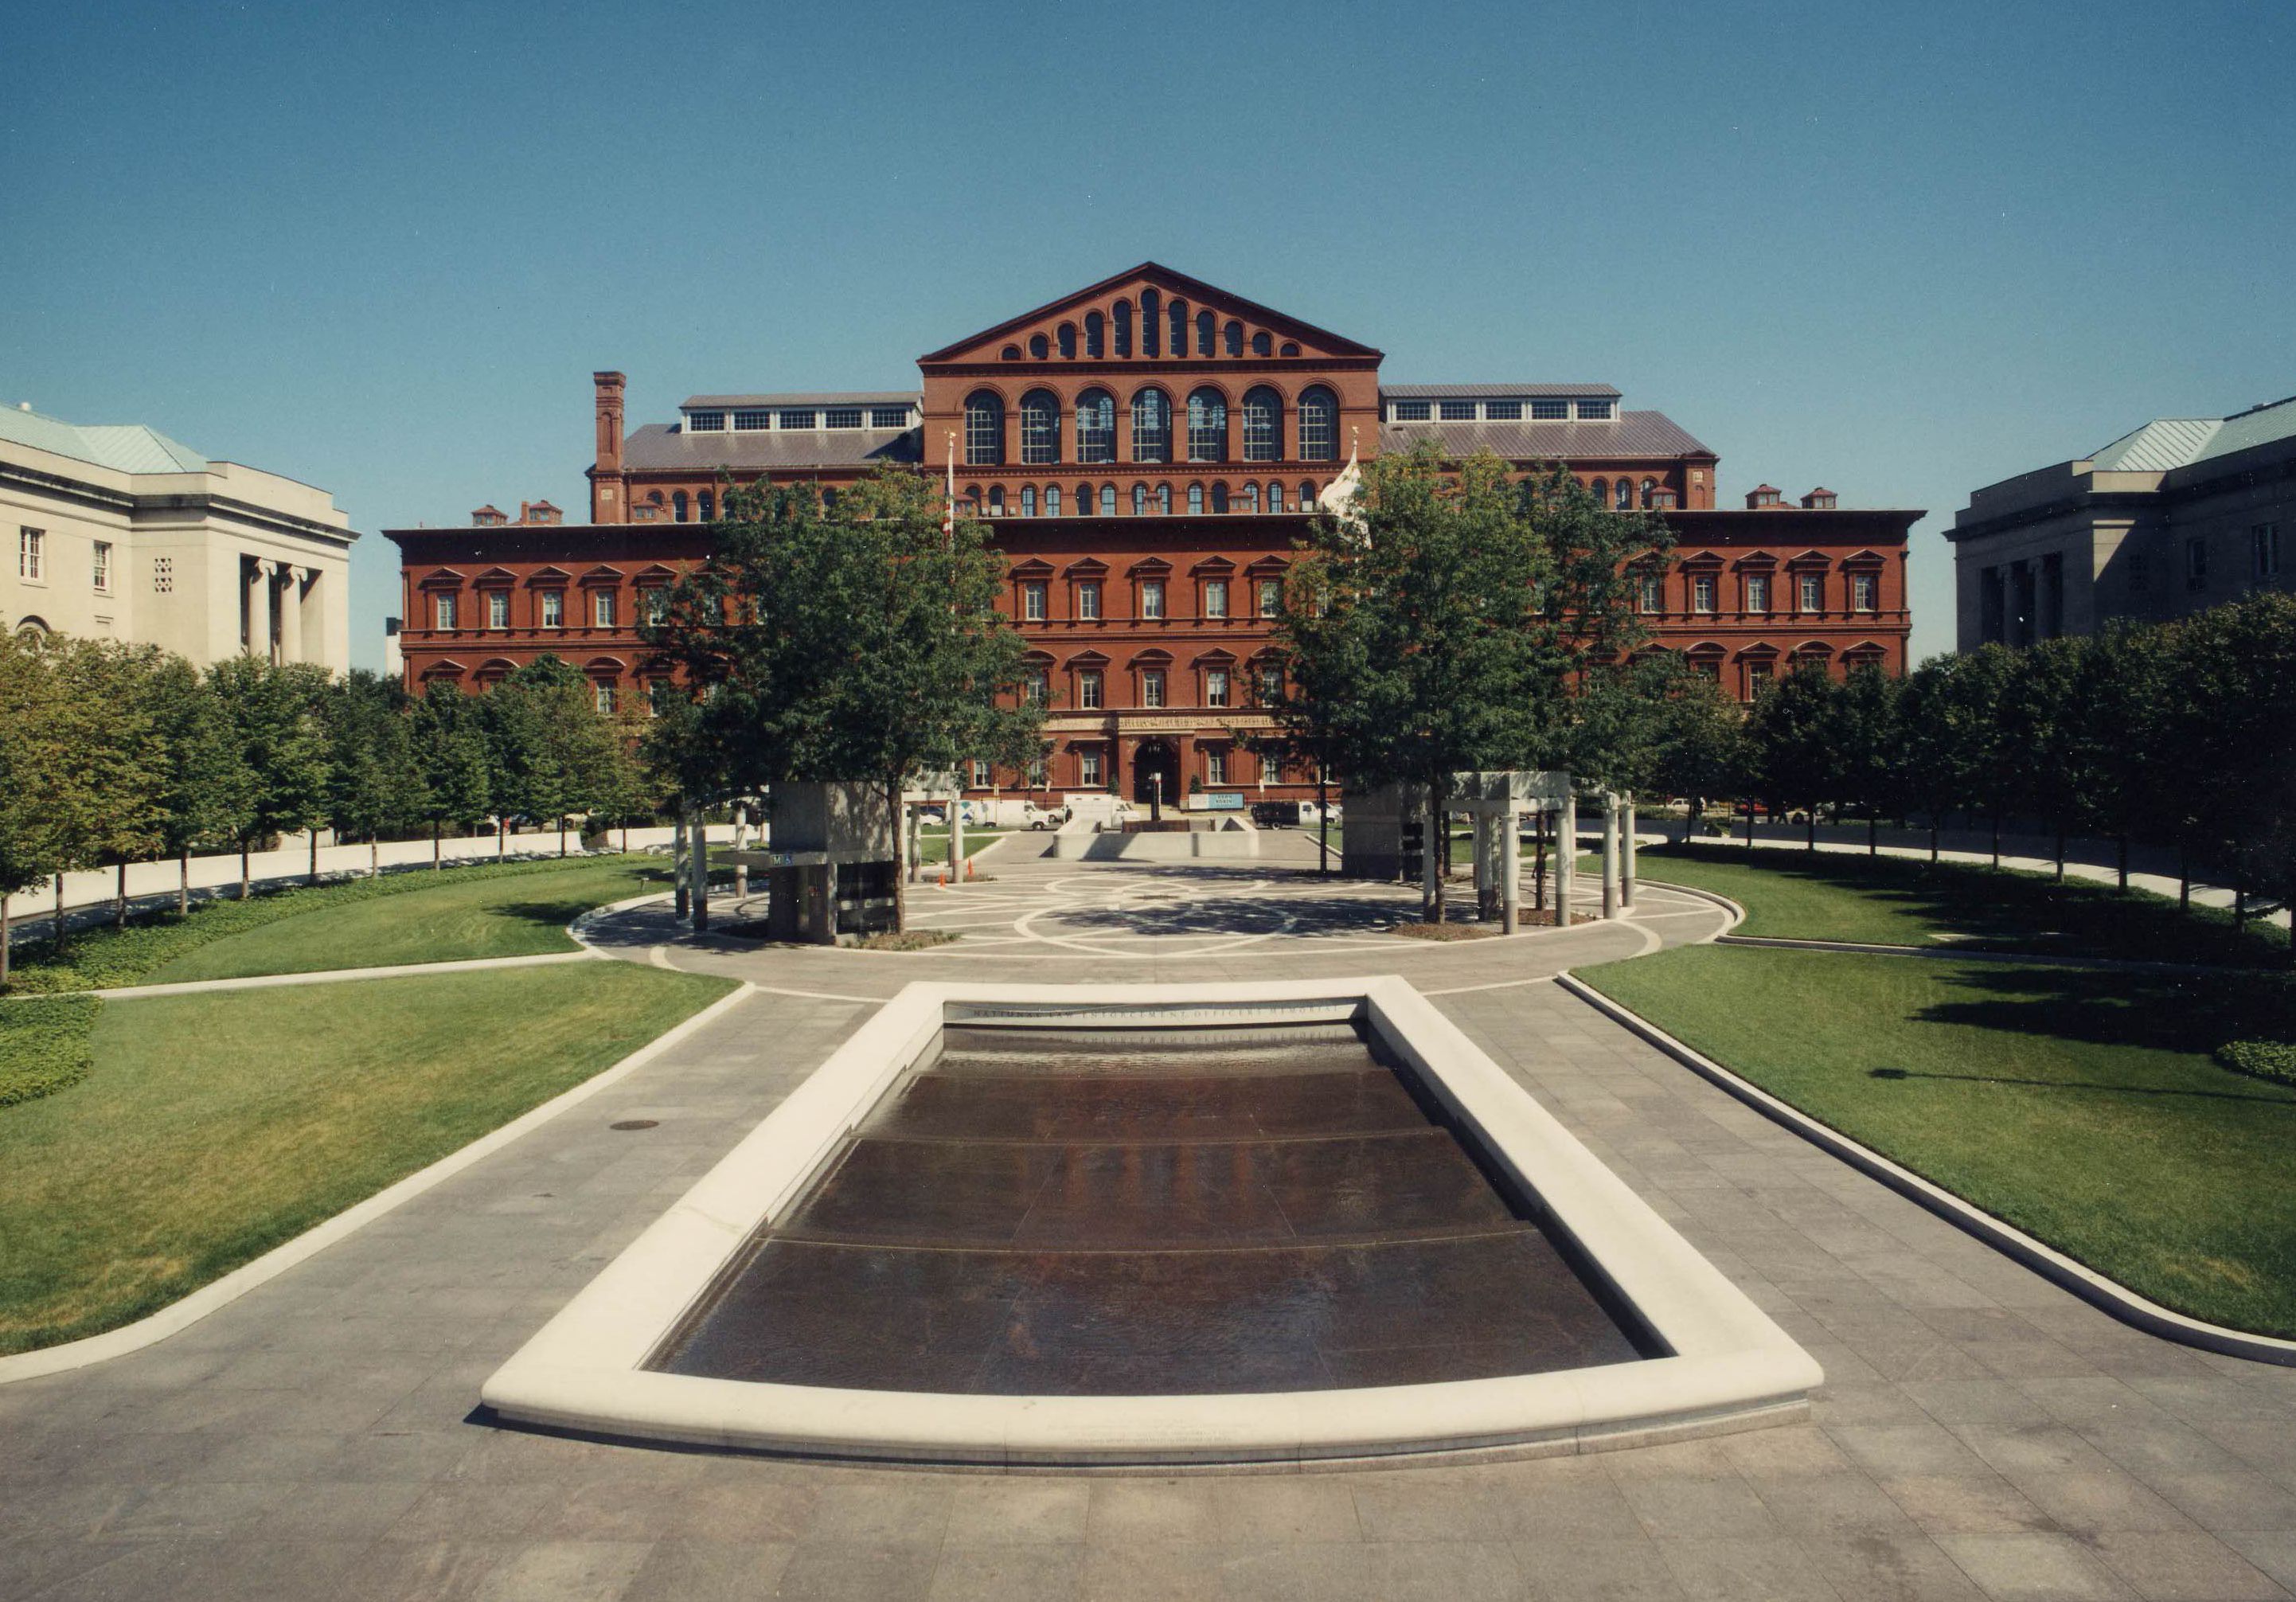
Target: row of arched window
1048,435
1144,500
1100,335
1655,497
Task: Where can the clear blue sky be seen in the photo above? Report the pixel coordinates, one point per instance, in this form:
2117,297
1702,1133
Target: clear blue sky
1902,251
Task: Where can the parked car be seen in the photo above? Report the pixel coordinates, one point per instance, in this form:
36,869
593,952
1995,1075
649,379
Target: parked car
1035,816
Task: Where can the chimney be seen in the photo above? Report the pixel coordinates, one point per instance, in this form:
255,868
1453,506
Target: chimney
606,498
1761,496
1820,499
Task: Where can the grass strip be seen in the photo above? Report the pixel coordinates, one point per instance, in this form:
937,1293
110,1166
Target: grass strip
44,1047
218,1125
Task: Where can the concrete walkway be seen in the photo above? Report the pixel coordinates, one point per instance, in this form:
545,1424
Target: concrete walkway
1980,1435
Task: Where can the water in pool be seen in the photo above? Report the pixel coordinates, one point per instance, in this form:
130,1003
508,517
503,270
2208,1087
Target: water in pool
1112,1213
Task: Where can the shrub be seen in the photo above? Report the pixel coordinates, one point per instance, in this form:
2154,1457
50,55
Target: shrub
44,1046
2264,1059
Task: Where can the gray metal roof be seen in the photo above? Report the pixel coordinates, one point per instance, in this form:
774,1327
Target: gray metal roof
2161,444
1633,434
658,446
124,448
1488,392
805,398
2257,425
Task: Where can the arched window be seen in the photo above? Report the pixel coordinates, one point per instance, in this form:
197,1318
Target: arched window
1040,427
1274,495
829,500
677,507
1152,323
1123,310
1288,349
996,500
1649,492
1626,494
1219,498
1179,314
1067,341
1261,345
1010,353
1207,426
1232,337
1263,425
1027,500
1164,500
984,429
1152,426
1252,498
1306,495
1095,335
1095,428
1602,488
1108,500
1205,327
1195,500
1084,500
708,504
1052,500
1319,426
1139,500
1039,346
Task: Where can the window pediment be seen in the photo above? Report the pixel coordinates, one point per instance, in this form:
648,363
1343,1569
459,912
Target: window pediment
1154,656
1150,567
442,578
1087,659
495,577
1864,558
1704,562
1217,566
1758,649
602,574
656,572
1085,567
1035,567
1759,561
549,575
1811,559
1268,566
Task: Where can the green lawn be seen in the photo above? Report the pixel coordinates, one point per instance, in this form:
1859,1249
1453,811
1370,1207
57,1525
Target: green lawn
518,915
1900,901
934,842
213,1127
493,910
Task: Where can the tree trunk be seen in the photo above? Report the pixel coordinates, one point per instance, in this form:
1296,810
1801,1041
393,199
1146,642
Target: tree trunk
501,836
2184,878
1693,819
1435,837
2060,853
562,836
60,913
625,826
1538,863
1996,839
438,854
1750,828
312,878
5,936
119,904
1810,820
2239,902
1873,829
374,857
184,884
900,845
681,860
242,870
2120,854
1933,837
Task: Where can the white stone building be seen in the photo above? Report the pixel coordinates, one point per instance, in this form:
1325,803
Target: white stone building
119,533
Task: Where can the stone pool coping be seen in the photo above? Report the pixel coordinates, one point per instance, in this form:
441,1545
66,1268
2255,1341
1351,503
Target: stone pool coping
1729,1365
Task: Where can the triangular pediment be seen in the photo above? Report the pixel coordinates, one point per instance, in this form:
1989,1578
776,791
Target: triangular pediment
548,575
1014,338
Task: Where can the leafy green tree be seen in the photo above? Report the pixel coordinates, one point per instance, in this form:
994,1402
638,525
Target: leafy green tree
2232,742
2122,702
1791,735
2041,715
108,802
1701,753
37,720
206,790
376,783
549,744
453,761
1866,736
275,711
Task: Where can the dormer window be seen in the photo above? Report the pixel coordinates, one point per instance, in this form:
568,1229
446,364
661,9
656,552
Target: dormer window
888,416
1593,411
705,423
1502,411
752,422
1456,411
841,416
1412,411
799,419
1550,411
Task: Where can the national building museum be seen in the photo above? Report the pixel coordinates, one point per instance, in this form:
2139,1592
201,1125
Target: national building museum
1150,449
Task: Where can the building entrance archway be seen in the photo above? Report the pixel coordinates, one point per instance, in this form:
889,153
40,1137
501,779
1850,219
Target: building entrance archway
1153,760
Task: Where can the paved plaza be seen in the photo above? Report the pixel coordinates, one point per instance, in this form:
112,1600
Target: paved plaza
1980,1433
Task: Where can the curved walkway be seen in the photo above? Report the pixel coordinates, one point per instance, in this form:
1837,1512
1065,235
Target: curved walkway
1982,1432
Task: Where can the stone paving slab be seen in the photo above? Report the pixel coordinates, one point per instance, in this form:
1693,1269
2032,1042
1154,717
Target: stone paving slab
1982,1434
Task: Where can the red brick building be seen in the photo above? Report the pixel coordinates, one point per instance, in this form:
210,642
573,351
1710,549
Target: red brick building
1151,447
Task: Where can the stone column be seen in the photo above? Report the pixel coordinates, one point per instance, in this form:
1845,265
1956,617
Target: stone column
291,615
1610,855
1510,869
1566,855
955,838
1626,883
1434,844
254,612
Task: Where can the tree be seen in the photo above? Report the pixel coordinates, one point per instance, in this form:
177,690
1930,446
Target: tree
376,784
35,723
2233,745
1700,753
452,759
1791,735
856,642
275,716
2122,702
2040,716
107,802
1866,736
1441,622
206,791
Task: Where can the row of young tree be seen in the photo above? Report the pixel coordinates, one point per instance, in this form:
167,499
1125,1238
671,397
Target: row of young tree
111,755
2175,734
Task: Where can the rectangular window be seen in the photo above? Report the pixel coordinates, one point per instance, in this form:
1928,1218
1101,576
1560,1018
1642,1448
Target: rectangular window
1411,411
1502,411
1456,411
1758,591
888,416
2196,564
2263,550
442,612
1215,686
1701,593
1809,591
1088,599
1037,689
553,609
601,609
1271,598
841,416
654,602
1865,592
1216,765
1088,689
705,423
497,609
798,419
1151,687
1550,411
1653,593
103,565
1757,678
751,421
1152,598
1032,601
980,774
31,554
1215,597
1033,775
1088,771
1271,684
602,696
1593,411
